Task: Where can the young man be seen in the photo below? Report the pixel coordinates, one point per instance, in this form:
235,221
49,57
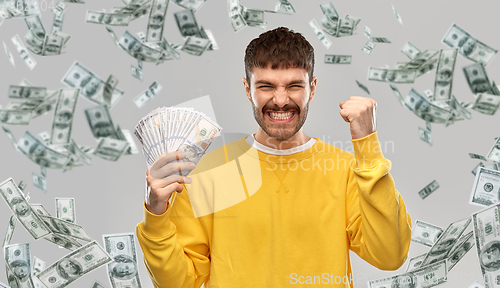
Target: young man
296,220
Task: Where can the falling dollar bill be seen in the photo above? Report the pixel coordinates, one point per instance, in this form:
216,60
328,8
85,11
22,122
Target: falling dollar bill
17,258
23,92
111,19
425,233
486,103
97,284
485,190
423,277
476,285
367,32
487,236
444,245
477,156
195,45
109,87
390,75
74,265
411,51
186,22
397,15
415,262
421,59
368,48
397,93
379,40
135,48
337,59
136,72
123,271
39,181
9,55
444,75
147,95
110,149
463,246
425,135
477,78
494,153
427,190
468,46
235,17
156,20
38,265
362,86
190,4
63,117
59,8
65,209
100,122
321,36
423,108
23,212
10,230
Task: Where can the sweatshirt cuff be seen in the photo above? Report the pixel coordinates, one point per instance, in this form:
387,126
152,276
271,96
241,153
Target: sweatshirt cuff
367,152
157,225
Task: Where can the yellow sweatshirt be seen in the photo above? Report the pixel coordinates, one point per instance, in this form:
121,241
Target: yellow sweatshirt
251,219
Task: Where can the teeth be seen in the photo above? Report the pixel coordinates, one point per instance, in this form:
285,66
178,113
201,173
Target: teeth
281,116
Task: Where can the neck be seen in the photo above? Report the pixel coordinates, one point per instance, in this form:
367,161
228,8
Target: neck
296,140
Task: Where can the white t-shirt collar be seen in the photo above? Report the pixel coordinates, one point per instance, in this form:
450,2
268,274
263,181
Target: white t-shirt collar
268,150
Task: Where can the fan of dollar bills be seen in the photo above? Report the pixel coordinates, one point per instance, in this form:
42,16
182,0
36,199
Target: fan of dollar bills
168,129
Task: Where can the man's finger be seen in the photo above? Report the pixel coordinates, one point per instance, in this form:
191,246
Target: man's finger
344,115
167,157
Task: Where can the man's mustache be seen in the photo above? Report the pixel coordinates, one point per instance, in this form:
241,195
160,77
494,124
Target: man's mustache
287,107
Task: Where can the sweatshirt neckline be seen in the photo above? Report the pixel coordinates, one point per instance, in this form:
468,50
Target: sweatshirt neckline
245,147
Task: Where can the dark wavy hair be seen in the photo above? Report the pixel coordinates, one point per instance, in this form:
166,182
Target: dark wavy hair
282,48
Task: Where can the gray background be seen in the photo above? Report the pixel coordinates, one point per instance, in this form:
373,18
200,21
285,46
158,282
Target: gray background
109,195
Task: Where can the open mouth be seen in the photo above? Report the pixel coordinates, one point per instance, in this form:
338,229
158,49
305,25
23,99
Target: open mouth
281,116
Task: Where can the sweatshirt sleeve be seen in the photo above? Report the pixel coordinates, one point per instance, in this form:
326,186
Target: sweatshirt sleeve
378,226
175,245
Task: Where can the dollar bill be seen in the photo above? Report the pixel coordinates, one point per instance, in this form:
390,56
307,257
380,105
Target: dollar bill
35,24
485,190
17,258
111,19
476,285
321,36
477,79
97,284
38,265
121,247
426,110
392,76
190,4
411,51
65,209
74,265
284,7
235,17
57,23
427,190
148,94
487,238
15,117
415,263
425,233
63,117
421,59
9,55
480,164
10,230
444,75
397,15
100,121
186,22
486,103
49,103
337,59
23,92
74,149
397,93
135,48
468,46
207,34
379,40
455,105
494,153
59,8
156,20
195,45
40,182
23,212
362,86
136,72
368,48
109,87
477,156
443,246
367,32
74,1
463,246
168,50
127,136
345,27
40,153
63,241
253,17
329,12
111,149
422,277
65,228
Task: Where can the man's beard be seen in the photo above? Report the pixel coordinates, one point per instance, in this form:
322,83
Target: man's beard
277,133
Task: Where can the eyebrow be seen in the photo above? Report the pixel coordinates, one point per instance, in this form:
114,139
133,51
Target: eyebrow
272,84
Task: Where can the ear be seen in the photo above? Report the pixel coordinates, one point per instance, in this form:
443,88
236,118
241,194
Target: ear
247,89
313,87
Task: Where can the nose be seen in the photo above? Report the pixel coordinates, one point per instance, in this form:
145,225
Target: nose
280,97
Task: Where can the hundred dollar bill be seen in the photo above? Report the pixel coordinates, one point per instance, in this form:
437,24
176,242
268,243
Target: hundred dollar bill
63,117
477,156
362,86
379,40
426,110
368,48
35,24
411,51
235,17
10,230
59,8
100,121
111,19
15,117
65,228
444,75
39,181
40,153
109,87
284,7
337,59
135,48
427,190
23,92
468,46
486,188
397,15
23,212
156,20
74,149
147,95
111,149
63,241
367,32
477,78
65,209
190,4
123,271
38,265
52,45
421,59
57,23
136,72
195,45
425,233
207,34
17,258
487,238
321,36
345,27
329,12
486,103
390,75
476,285
9,55
74,265
480,164
415,263
46,106
422,277
97,284
443,246
463,246
494,153
455,105
127,136
186,22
